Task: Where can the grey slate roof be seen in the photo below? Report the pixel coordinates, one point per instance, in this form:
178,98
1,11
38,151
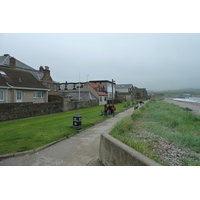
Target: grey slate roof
83,96
5,61
12,78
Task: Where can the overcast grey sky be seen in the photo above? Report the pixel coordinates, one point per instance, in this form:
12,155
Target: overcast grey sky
155,61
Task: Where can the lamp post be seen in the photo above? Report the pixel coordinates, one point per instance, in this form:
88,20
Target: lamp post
87,77
79,88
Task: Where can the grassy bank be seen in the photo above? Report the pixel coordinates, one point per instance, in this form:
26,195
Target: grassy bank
32,133
162,119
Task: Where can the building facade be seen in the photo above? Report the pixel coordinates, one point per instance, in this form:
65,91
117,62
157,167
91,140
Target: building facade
109,87
20,86
42,75
124,92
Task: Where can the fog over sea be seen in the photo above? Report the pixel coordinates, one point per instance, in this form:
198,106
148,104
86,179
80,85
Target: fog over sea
190,99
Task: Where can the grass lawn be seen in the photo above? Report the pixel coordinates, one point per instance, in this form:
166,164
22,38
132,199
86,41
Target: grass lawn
162,119
32,133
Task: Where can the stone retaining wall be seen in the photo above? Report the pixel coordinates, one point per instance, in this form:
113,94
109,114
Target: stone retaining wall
13,111
113,152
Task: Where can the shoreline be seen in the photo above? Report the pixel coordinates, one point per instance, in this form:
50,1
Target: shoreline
192,105
185,100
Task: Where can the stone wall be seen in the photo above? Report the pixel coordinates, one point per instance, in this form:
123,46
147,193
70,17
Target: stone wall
113,152
13,111
57,104
55,98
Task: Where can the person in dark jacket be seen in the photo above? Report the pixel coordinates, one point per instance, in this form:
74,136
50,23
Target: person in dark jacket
113,110
109,109
105,110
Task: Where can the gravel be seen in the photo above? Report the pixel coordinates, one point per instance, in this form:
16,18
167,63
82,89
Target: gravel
168,152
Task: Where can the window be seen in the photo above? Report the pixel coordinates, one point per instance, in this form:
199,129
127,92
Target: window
1,95
19,96
55,87
48,85
104,98
38,94
100,98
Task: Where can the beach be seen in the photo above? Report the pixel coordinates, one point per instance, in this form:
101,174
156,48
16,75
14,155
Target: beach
192,105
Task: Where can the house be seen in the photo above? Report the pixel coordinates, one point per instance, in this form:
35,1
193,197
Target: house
21,86
42,75
124,92
109,87
143,93
98,90
71,85
129,92
84,91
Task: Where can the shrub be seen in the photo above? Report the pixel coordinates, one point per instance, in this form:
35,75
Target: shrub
187,109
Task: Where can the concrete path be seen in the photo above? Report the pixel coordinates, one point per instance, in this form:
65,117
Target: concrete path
79,150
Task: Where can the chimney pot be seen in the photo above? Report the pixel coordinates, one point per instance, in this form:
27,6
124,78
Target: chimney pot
46,68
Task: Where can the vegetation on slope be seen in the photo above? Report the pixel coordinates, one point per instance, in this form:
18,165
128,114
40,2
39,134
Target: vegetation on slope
164,120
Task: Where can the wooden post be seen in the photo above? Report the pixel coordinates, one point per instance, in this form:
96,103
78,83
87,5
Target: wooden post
112,92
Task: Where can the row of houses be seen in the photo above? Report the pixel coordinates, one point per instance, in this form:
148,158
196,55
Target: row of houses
22,83
104,91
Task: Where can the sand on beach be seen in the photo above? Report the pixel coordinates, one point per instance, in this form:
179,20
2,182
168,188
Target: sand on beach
192,105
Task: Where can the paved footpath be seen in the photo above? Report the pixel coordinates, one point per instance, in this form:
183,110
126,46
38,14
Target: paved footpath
79,150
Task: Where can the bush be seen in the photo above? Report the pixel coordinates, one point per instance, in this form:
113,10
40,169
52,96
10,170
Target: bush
187,109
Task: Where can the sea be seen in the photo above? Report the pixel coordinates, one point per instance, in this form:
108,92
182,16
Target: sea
190,99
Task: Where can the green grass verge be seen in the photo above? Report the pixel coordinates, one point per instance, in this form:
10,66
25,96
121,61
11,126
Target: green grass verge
32,133
164,119
123,132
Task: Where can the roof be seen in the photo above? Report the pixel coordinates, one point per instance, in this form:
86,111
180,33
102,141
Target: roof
101,81
99,88
21,79
123,86
101,93
96,86
83,96
5,61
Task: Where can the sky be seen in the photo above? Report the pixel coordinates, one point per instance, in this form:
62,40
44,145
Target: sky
155,61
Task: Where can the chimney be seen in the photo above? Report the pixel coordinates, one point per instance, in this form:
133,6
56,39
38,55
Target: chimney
41,69
47,68
46,71
12,63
